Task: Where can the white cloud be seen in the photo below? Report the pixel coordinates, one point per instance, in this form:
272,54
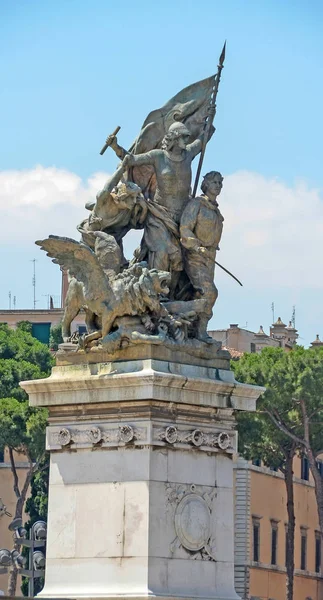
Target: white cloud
272,232
40,201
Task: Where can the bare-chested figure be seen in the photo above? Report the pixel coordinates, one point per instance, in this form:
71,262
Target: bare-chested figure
172,164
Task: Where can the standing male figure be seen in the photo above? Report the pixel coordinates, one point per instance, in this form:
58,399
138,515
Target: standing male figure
201,229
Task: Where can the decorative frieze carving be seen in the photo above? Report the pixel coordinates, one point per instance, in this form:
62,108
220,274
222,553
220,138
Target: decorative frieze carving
195,437
109,434
91,436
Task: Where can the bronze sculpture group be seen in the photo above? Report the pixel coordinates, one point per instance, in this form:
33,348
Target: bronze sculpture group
165,294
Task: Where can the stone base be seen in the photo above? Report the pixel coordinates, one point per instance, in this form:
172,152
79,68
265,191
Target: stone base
194,353
141,478
148,596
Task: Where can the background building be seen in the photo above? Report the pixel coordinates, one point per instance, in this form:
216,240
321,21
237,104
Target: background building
239,340
43,319
260,533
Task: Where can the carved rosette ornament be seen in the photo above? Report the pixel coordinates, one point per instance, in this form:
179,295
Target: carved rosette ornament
64,436
171,434
223,440
95,435
126,433
197,437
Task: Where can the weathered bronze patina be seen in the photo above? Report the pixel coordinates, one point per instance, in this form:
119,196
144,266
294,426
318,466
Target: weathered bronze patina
166,293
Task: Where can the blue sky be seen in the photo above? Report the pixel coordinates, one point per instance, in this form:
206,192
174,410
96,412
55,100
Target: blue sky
73,70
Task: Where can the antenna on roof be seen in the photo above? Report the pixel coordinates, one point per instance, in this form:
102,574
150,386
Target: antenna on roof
14,302
9,300
273,311
34,281
293,319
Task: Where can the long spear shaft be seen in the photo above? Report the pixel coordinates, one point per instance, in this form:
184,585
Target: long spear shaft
209,120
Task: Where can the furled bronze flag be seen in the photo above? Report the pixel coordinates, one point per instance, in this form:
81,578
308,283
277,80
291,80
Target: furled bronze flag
188,106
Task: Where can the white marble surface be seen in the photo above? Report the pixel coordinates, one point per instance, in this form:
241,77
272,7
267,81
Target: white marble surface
119,382
112,525
126,518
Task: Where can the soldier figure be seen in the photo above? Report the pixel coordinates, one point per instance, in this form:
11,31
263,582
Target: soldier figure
201,229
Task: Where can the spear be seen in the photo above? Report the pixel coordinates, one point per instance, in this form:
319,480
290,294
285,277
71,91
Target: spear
229,272
203,252
209,119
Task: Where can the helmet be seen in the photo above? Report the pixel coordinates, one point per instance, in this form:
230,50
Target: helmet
179,128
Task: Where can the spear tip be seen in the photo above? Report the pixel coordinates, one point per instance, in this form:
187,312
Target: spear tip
222,56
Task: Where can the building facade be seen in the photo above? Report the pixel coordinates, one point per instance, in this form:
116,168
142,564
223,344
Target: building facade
260,534
238,340
42,320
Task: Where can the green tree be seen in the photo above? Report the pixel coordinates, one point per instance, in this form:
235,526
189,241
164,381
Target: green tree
278,430
302,371
22,428
55,337
22,431
21,357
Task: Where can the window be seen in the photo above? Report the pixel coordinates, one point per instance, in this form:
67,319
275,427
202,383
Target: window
318,552
303,549
41,332
319,465
274,537
305,469
256,540
81,329
252,347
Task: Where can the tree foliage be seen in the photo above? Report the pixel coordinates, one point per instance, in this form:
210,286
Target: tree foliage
277,431
291,379
22,428
19,344
22,357
55,337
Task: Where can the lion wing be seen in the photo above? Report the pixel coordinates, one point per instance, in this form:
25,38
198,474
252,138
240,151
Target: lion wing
80,261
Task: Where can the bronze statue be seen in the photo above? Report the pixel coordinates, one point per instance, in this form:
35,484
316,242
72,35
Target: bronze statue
172,166
201,229
166,293
119,207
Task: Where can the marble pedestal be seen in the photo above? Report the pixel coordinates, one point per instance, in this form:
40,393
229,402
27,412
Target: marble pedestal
141,496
